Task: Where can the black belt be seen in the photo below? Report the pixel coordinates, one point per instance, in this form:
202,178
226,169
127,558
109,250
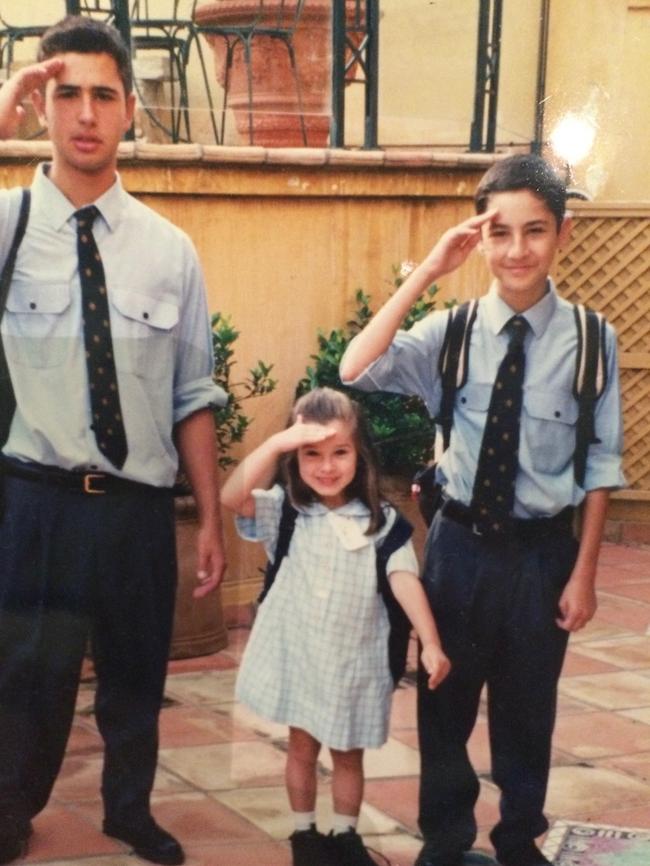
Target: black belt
531,528
89,483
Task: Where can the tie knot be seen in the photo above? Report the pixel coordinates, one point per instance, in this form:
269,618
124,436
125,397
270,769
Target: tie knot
86,216
517,327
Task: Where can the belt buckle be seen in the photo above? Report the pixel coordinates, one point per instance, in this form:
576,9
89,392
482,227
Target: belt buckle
88,479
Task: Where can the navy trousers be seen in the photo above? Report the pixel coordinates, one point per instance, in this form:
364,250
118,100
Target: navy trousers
75,567
495,605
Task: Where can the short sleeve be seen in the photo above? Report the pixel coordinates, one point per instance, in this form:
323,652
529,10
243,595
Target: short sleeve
264,526
404,558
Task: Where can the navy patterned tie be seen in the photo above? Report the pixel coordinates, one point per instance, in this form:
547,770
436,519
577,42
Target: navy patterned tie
102,377
494,483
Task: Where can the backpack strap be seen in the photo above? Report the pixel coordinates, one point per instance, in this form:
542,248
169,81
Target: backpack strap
7,396
453,362
285,532
400,625
589,383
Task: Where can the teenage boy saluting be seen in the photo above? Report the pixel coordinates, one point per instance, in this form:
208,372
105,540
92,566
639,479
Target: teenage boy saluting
87,535
503,571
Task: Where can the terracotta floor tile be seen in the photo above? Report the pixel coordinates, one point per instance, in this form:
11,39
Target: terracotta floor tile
628,653
403,712
393,759
256,853
61,832
605,734
199,819
195,726
230,765
622,690
215,662
204,687
80,779
636,765
576,664
622,613
397,798
579,792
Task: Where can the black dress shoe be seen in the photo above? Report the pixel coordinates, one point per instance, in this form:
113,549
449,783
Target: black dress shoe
13,840
148,841
525,855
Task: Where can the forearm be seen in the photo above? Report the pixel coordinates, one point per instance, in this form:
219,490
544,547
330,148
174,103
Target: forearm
408,591
594,513
197,449
258,470
378,334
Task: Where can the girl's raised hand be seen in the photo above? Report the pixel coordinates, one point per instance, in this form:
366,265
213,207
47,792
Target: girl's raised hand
435,663
304,433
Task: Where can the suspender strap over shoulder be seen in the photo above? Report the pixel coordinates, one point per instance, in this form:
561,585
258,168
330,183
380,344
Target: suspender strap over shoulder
7,396
589,384
453,362
285,531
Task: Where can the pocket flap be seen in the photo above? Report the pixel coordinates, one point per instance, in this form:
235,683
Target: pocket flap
550,406
475,395
38,298
145,309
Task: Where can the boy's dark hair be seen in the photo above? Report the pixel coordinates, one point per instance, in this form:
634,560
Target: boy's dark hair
321,406
523,171
84,35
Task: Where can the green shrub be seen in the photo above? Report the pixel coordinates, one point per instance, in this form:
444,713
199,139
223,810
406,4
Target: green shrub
231,421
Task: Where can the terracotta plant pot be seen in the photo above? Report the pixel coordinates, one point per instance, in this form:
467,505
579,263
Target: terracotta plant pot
276,116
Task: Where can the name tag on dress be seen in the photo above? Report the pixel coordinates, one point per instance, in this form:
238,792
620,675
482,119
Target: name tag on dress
348,531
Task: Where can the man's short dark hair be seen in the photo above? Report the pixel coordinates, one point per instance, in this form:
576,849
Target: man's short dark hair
524,171
84,35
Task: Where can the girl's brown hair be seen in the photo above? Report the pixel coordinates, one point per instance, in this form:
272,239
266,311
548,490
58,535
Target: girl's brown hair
321,406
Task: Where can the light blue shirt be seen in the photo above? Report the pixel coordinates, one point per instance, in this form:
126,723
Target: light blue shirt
159,324
545,481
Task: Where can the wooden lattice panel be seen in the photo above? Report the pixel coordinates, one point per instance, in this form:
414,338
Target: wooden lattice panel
606,265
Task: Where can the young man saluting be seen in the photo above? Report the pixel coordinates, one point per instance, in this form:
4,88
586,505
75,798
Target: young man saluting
107,341
503,572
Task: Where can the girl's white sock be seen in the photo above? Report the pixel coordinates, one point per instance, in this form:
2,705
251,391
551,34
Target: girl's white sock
304,820
343,823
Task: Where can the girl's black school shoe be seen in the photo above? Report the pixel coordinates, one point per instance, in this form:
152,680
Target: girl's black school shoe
348,849
311,848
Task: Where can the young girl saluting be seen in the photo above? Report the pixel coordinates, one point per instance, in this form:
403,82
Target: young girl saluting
317,657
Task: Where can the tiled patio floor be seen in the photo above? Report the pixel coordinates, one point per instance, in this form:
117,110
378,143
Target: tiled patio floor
220,788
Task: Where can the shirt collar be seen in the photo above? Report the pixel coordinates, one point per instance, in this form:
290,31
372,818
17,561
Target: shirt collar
49,200
498,313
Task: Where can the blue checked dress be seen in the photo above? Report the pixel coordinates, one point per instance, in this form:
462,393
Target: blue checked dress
317,656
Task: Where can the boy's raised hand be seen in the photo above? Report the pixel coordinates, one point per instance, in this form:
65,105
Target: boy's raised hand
18,88
455,245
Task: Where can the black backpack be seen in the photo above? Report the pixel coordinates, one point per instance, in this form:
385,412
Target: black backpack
400,625
589,383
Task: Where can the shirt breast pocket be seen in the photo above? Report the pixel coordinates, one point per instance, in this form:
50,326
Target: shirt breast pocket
142,332
550,426
36,329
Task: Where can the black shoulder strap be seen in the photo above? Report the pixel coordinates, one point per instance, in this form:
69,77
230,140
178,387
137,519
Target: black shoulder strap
453,362
7,396
397,535
589,383
400,626
285,532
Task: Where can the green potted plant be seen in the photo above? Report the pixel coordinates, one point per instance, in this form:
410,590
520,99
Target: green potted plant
199,627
